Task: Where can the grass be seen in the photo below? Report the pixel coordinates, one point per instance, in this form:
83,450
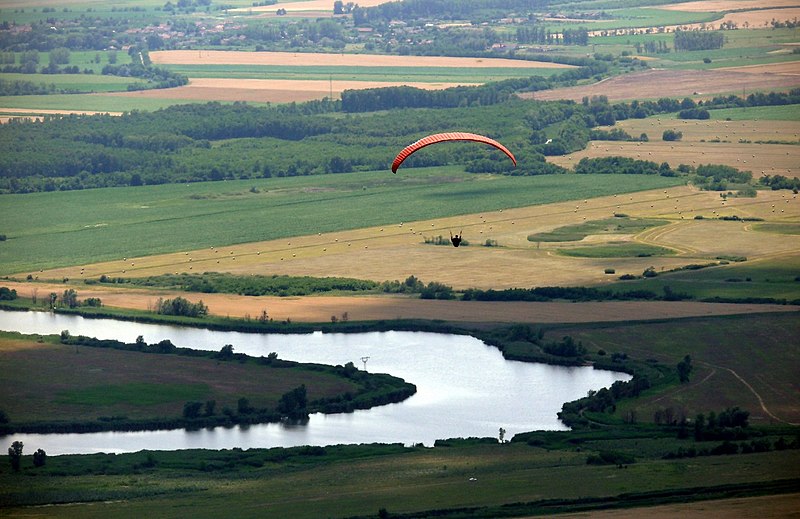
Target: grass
617,250
88,102
134,393
778,228
76,82
47,230
762,354
640,17
773,278
762,113
346,481
742,47
46,382
578,232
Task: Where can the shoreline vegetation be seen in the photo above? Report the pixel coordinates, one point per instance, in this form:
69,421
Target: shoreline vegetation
518,342
363,390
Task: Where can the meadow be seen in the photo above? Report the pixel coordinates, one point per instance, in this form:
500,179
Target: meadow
341,481
47,230
85,83
745,361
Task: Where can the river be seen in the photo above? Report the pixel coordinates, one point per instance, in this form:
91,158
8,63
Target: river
464,388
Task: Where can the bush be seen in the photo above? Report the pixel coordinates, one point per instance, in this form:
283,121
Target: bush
610,458
671,135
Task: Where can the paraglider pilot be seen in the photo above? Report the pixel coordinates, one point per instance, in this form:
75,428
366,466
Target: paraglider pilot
456,238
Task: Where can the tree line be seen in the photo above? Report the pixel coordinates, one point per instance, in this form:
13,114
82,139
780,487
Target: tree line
175,144
698,40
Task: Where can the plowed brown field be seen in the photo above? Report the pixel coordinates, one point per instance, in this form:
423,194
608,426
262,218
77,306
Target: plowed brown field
267,90
760,159
309,59
654,84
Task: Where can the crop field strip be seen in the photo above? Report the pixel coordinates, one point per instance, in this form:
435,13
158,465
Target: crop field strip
278,210
432,74
469,222
373,254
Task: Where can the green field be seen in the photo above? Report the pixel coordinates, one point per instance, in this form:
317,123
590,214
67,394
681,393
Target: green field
760,349
49,383
47,230
639,17
763,113
335,73
779,228
617,250
775,278
742,47
78,82
132,393
342,481
621,225
88,102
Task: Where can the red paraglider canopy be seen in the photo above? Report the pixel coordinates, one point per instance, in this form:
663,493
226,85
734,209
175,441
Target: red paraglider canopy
443,137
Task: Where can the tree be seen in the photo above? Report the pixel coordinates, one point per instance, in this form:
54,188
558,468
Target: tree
15,455
59,56
70,298
294,403
671,135
226,352
243,406
684,369
210,405
192,409
39,458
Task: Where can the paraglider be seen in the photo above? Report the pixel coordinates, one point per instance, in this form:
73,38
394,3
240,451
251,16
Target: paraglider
456,239
445,137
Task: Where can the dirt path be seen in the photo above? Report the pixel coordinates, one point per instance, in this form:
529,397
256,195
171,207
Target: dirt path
758,396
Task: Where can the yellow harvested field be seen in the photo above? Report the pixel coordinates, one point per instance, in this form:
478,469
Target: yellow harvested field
267,90
6,114
753,19
371,308
307,59
760,159
711,6
398,251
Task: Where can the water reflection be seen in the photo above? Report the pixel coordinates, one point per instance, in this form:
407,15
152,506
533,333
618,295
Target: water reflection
464,387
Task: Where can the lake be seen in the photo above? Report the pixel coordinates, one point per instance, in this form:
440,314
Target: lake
465,388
